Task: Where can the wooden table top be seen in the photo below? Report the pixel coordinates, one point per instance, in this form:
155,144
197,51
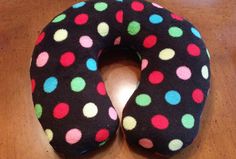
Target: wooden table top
21,136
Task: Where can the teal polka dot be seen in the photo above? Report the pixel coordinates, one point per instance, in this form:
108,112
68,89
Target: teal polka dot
78,5
50,84
188,121
172,97
175,32
59,18
143,100
196,32
134,28
77,84
38,110
119,0
100,6
155,19
91,64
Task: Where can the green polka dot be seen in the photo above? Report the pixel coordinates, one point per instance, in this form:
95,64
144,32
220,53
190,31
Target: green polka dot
59,18
100,6
102,144
208,53
78,84
188,121
134,27
143,100
38,110
175,32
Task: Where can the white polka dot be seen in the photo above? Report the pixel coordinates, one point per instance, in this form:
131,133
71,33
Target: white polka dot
183,72
42,59
86,41
49,134
205,72
103,29
129,123
167,54
60,35
175,145
90,110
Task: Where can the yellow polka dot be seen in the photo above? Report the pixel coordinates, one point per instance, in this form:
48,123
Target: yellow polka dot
103,29
60,35
167,54
90,110
129,123
49,134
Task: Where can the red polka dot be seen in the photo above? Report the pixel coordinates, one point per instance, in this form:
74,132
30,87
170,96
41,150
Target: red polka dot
102,135
40,38
137,6
61,110
198,96
101,88
81,19
33,85
150,41
176,17
193,50
156,77
160,122
67,59
119,16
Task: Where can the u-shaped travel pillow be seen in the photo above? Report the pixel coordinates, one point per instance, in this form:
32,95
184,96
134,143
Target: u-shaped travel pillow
71,103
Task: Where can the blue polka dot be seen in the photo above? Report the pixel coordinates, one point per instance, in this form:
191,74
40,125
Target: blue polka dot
196,32
173,97
78,5
50,84
91,64
155,19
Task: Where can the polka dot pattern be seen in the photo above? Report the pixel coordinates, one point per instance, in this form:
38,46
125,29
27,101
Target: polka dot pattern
71,100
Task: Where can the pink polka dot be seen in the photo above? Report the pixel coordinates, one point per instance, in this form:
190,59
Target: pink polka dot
33,85
73,136
145,143
176,17
61,110
160,122
198,96
137,6
156,5
101,89
42,59
150,41
40,38
67,59
119,16
184,73
86,41
117,41
102,135
81,19
193,50
156,77
144,64
112,113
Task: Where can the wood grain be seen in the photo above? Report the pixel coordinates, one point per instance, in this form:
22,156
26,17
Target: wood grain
21,136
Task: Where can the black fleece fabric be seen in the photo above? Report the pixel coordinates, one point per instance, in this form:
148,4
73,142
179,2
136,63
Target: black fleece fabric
70,100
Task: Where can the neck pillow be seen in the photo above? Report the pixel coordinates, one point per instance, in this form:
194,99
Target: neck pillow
70,100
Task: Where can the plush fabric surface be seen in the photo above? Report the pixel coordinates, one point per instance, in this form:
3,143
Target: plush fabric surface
71,103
